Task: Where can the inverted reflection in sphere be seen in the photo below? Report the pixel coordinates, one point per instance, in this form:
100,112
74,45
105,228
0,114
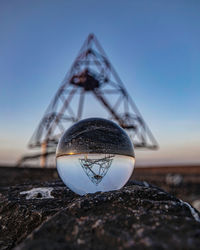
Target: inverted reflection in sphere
95,155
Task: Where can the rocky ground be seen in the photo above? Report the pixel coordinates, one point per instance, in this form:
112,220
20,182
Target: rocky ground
139,216
180,181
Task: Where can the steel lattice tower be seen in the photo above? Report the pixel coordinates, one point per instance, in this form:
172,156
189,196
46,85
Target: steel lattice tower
91,73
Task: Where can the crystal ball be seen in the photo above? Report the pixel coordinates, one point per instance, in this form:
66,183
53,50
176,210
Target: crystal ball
95,155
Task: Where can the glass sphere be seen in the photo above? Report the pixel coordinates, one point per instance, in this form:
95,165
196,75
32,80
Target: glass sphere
94,155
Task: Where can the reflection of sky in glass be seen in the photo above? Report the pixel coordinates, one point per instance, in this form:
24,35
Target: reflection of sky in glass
74,176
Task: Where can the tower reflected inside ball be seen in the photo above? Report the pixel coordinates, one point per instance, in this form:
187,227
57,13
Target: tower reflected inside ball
94,155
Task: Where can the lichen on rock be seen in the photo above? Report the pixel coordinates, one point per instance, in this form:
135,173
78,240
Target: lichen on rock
38,193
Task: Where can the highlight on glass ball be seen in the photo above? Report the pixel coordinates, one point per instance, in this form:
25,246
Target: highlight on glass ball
95,155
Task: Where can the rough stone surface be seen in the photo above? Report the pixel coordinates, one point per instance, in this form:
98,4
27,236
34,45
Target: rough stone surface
136,217
19,216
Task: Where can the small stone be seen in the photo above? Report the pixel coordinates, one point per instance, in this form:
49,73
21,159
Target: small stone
97,223
80,242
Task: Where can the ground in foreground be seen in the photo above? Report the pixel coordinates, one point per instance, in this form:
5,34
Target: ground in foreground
50,216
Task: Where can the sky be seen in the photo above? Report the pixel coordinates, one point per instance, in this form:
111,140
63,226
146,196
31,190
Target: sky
153,45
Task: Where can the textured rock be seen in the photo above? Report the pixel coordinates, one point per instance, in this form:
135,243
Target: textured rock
19,216
135,217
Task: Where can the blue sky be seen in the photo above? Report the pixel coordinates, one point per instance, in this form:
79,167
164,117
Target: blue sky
153,45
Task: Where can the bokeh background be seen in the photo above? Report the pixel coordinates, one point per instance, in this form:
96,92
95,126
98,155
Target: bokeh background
153,45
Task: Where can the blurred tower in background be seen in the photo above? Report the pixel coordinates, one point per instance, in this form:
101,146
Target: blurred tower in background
91,73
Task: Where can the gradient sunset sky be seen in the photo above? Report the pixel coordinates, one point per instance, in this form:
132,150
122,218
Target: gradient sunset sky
153,45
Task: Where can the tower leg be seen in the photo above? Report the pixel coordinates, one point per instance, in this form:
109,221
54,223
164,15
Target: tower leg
43,158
